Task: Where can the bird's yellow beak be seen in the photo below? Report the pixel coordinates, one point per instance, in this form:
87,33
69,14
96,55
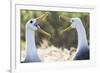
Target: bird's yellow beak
42,17
39,20
44,32
66,29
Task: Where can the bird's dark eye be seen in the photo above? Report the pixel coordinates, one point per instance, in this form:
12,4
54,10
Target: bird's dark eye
72,20
31,21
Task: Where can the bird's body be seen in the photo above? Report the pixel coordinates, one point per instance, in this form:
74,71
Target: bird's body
32,55
31,27
31,52
82,52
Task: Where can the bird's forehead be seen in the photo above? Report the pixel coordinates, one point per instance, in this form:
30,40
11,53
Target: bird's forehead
32,21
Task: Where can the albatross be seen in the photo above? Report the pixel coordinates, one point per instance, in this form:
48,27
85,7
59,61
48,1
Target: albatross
31,27
82,52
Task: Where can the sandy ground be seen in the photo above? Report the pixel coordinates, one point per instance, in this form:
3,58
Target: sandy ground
53,54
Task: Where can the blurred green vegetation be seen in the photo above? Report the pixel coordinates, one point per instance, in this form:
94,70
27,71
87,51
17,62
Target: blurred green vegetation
53,24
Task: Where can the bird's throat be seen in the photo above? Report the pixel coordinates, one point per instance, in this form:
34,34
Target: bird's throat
30,42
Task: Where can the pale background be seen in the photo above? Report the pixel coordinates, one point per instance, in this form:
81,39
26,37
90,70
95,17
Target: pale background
5,36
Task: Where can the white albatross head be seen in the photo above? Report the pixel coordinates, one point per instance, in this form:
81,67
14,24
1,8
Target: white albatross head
75,23
33,24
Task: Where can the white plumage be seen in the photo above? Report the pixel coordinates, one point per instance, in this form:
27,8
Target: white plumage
82,52
31,27
31,52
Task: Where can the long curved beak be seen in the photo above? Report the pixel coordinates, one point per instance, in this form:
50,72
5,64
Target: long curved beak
66,29
42,17
39,20
44,32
